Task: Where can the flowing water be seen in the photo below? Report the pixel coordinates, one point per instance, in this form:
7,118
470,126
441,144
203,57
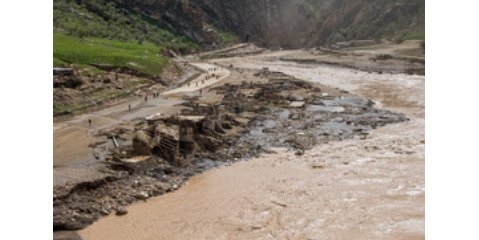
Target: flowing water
370,188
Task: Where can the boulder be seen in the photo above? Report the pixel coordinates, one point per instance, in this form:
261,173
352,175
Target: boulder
142,195
121,211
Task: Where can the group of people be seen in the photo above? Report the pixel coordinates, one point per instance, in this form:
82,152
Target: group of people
213,69
202,82
155,95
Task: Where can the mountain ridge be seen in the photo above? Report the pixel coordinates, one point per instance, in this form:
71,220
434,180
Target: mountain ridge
270,23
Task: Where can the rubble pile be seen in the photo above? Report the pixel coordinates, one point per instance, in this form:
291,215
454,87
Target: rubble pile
176,138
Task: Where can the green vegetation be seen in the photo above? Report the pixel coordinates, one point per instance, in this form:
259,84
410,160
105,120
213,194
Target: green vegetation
57,62
88,69
227,37
143,57
106,19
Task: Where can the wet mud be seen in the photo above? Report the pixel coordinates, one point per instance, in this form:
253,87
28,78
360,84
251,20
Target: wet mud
161,152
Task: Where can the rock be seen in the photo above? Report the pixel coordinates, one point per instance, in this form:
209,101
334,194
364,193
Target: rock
157,192
226,125
142,195
141,143
317,166
121,211
167,53
364,135
219,129
268,151
104,211
135,183
238,154
295,97
294,116
267,130
107,79
297,104
68,82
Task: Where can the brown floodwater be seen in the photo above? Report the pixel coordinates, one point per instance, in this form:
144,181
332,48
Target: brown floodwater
369,188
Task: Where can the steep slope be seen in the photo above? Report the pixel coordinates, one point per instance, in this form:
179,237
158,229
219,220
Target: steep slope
298,23
374,19
178,24
114,20
267,22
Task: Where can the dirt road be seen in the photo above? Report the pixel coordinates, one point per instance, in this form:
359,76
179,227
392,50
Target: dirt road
213,74
353,189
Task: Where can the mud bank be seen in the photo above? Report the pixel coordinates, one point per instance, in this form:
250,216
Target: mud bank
162,152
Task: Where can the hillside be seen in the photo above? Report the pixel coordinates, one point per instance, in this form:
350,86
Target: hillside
392,19
184,25
172,25
301,23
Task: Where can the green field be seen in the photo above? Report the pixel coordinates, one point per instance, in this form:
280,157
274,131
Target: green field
145,57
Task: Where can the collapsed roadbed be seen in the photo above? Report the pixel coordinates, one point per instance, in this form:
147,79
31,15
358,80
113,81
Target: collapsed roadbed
250,118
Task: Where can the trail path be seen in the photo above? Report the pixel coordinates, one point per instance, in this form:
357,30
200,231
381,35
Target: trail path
215,74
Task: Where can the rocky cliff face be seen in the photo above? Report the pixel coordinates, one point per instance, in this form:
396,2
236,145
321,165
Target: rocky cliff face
373,19
299,23
267,22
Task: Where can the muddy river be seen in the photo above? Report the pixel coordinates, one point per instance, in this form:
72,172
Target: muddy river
360,188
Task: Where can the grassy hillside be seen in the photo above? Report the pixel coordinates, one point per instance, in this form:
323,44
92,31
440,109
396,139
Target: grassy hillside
129,33
105,19
92,32
145,57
